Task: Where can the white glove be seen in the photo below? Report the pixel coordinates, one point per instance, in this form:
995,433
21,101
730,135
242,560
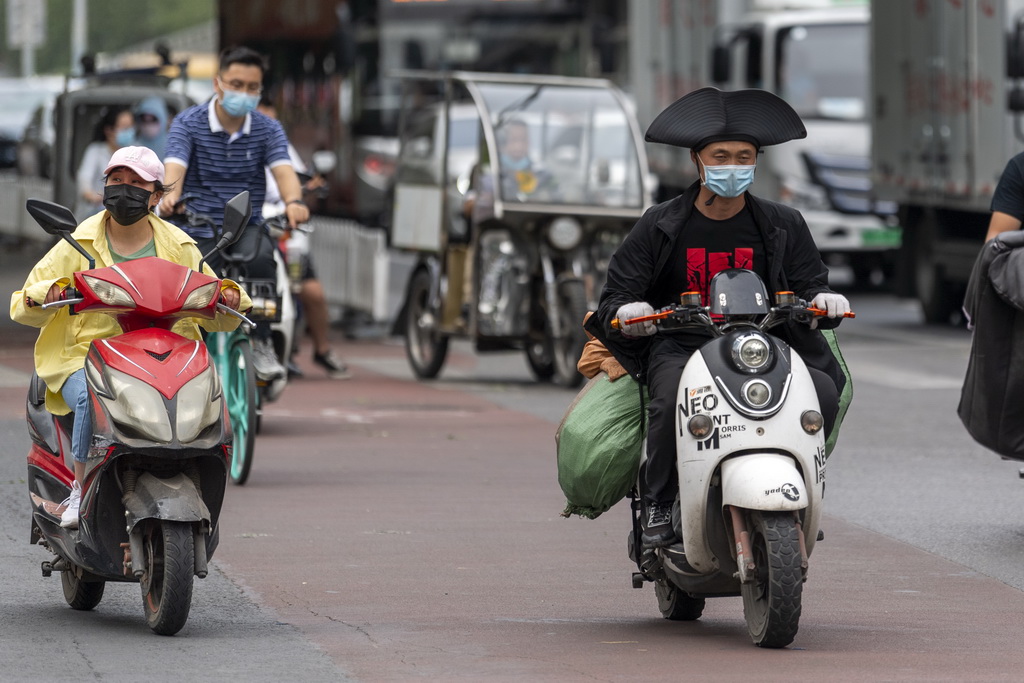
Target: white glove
636,310
836,305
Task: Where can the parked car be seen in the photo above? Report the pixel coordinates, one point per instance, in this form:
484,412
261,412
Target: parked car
19,98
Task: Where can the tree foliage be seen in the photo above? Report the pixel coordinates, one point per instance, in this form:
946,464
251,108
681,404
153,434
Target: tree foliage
112,26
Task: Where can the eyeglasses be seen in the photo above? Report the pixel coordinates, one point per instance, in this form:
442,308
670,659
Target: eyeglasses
242,86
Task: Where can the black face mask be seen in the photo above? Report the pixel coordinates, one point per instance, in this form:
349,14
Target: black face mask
126,203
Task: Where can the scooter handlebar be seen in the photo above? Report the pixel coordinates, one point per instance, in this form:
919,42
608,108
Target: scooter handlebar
661,315
822,313
666,313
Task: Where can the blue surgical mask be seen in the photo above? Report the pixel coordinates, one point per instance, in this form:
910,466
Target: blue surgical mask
125,137
510,164
238,103
728,180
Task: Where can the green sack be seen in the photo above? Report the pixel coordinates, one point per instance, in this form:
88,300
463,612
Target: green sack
598,445
847,394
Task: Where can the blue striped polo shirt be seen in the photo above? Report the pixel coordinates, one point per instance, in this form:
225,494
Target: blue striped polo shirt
219,165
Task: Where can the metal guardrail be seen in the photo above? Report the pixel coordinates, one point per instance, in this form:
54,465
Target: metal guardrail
352,261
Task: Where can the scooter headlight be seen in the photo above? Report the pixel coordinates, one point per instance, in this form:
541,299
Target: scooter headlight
198,405
757,393
108,293
201,297
565,233
136,409
751,352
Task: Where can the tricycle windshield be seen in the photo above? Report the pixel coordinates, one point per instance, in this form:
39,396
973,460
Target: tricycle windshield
562,145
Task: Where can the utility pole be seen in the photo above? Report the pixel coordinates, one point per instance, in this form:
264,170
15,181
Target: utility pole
79,26
26,28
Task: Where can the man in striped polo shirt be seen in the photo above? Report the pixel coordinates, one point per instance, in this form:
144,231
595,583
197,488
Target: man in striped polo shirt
218,149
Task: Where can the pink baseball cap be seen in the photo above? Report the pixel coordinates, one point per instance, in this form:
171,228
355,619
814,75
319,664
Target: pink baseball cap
142,160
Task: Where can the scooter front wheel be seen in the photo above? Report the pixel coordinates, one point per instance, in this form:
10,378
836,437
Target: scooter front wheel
567,350
426,346
242,398
167,583
771,603
81,594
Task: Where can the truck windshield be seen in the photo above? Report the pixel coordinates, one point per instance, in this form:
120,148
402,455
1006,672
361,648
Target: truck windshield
822,70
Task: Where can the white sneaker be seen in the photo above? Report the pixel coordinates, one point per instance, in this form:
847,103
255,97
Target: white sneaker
69,518
265,362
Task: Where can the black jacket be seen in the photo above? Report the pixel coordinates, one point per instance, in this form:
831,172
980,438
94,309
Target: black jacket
794,264
990,401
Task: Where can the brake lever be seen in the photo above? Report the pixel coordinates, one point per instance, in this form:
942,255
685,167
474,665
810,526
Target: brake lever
62,302
241,316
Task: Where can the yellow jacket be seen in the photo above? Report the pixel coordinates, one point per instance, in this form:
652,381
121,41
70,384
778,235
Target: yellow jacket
63,338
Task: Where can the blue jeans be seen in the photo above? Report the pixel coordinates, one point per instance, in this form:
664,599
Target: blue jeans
76,395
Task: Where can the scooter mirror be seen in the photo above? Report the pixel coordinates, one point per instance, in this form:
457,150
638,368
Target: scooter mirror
57,220
51,217
236,216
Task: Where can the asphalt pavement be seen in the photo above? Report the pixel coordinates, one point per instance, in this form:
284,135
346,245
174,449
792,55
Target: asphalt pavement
397,530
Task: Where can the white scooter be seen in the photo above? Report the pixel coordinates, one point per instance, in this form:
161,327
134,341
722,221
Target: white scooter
750,459
282,329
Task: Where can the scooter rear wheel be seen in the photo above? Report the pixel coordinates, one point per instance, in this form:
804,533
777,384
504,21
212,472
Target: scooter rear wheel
242,398
81,594
675,604
167,583
771,603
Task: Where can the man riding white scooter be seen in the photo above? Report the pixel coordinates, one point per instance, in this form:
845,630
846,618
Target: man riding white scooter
679,245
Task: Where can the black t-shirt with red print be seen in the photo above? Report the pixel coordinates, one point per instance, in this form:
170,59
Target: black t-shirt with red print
705,248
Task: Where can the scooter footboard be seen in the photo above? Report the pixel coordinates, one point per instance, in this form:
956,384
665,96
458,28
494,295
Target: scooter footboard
763,481
175,499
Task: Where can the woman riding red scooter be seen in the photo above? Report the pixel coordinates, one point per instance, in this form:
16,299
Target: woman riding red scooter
150,439
126,229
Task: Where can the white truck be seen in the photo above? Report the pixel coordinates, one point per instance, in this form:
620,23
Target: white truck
814,54
943,103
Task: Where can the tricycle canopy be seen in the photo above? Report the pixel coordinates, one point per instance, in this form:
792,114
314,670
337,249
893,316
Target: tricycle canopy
520,146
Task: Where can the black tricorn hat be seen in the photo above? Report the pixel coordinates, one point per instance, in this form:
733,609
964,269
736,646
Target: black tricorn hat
712,115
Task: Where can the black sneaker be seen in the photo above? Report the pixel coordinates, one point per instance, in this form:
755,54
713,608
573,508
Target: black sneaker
658,531
332,365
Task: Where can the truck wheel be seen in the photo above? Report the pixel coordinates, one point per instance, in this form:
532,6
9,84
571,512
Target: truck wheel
934,293
425,346
771,603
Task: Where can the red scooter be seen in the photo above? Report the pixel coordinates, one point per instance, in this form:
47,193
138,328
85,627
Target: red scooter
157,466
